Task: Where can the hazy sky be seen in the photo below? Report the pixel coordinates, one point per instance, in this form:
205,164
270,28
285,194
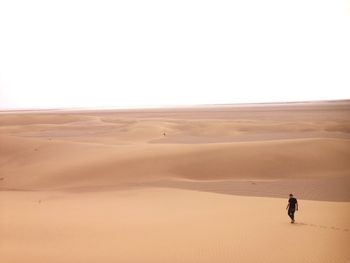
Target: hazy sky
134,53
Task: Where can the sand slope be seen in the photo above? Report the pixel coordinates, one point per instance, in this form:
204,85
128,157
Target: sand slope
162,225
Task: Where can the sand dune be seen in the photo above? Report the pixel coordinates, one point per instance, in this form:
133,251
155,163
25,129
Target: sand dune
162,225
57,165
114,181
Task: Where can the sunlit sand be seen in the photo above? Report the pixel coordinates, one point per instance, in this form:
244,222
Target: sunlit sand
201,184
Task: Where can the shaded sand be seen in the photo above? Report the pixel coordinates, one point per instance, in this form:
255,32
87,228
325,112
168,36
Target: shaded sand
176,185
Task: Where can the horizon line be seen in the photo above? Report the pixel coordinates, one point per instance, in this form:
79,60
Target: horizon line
159,106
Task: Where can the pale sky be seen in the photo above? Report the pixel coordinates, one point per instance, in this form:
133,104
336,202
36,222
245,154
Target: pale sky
135,53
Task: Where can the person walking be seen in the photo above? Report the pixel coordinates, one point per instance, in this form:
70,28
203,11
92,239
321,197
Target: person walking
292,207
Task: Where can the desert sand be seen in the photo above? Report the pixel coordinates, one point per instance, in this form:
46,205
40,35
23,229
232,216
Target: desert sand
195,184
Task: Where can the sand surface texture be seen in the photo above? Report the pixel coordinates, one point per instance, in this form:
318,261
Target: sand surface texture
201,184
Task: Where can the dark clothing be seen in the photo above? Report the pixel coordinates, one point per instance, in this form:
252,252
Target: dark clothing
291,209
291,213
292,202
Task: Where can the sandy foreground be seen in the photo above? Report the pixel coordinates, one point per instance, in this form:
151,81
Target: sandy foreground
201,184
